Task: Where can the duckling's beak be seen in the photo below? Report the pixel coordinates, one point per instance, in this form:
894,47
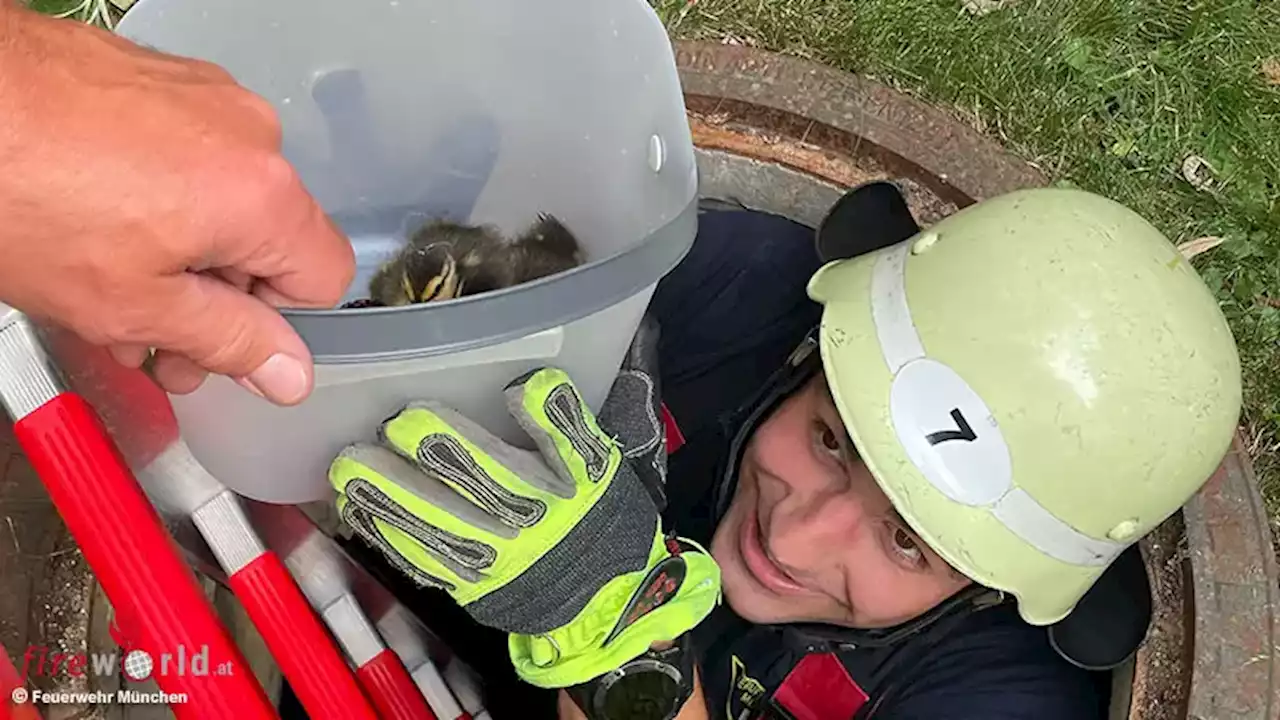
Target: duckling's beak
430,273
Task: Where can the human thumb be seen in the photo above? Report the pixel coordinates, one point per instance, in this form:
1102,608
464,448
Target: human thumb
230,332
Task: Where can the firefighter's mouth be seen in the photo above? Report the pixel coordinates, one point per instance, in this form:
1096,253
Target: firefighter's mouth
763,569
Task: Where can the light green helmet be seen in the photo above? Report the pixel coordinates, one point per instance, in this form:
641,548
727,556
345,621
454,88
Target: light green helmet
1036,382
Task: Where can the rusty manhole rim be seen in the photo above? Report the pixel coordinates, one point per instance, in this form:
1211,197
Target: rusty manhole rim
822,124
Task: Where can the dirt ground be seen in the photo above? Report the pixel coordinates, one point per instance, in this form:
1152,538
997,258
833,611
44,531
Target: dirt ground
1162,675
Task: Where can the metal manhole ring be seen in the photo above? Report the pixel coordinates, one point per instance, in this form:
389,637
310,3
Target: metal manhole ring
897,128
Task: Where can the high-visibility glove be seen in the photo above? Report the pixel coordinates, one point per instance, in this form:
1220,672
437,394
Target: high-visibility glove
562,548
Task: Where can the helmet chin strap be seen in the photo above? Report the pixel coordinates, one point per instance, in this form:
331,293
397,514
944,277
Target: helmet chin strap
971,598
803,363
800,367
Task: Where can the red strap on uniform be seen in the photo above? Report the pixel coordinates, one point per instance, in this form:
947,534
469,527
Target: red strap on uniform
675,438
819,688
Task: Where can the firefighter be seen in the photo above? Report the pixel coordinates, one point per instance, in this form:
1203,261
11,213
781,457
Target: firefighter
908,473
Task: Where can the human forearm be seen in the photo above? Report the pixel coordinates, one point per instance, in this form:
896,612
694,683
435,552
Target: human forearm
12,14
10,11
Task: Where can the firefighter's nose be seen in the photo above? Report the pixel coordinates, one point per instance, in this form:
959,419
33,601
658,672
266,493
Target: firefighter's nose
815,534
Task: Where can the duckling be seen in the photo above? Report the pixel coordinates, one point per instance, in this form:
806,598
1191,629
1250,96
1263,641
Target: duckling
445,259
419,273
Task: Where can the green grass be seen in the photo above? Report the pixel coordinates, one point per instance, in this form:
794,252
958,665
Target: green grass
102,13
1108,95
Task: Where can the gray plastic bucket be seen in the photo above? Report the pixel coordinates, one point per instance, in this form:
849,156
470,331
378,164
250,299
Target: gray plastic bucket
484,111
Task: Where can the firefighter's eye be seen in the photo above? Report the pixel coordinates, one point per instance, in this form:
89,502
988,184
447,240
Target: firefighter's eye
905,547
827,440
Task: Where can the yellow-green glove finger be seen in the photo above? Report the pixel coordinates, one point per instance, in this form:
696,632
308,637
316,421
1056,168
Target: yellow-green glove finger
401,551
508,483
377,483
549,407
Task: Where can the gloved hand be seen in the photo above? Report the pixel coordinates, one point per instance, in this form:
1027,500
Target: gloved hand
562,548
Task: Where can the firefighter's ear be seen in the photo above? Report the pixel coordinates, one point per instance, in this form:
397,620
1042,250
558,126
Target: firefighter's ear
867,218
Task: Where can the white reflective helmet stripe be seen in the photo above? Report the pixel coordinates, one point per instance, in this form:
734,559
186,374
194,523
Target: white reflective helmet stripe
950,435
1030,521
899,342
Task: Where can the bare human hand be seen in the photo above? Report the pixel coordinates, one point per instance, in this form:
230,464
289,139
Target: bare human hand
144,203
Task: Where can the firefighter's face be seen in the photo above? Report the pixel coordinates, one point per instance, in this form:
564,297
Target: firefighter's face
810,537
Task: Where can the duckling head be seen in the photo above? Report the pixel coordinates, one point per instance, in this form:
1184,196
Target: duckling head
420,274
